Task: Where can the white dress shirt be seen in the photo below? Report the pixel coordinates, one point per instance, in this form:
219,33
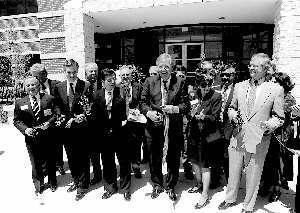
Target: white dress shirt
68,86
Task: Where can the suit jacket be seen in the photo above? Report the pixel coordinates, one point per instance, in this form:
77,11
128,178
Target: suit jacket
268,106
209,128
62,102
227,127
52,84
99,118
151,99
24,117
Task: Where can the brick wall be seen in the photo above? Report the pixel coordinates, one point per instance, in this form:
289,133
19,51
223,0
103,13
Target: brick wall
54,66
51,24
51,5
287,41
52,45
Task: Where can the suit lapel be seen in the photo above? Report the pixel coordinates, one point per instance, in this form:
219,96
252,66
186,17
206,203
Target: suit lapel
156,88
229,99
261,99
172,88
27,102
64,94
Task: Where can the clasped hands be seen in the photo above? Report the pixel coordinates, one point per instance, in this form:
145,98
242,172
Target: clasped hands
32,132
78,119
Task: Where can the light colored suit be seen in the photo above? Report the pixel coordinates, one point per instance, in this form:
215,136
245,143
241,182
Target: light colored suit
249,144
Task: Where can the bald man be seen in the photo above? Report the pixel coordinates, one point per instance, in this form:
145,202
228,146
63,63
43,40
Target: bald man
33,117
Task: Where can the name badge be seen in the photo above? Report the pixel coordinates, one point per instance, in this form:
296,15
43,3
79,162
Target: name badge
24,107
47,112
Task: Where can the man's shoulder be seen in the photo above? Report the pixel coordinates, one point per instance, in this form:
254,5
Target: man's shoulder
61,83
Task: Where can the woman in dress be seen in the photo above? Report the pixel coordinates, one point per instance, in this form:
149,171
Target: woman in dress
204,132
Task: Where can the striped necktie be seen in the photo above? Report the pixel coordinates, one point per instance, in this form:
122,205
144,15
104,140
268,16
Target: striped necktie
35,108
71,95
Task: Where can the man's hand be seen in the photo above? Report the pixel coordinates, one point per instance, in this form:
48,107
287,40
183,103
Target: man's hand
45,126
153,116
80,118
30,132
200,116
265,126
170,109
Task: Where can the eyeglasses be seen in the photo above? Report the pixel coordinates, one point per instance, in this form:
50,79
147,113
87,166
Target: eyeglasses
165,67
153,74
253,66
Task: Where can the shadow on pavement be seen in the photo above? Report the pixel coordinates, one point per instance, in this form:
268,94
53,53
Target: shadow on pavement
2,152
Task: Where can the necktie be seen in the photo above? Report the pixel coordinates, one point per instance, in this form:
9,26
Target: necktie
71,95
251,98
35,108
91,88
166,123
109,103
43,86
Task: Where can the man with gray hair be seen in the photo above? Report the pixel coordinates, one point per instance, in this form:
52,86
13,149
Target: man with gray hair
91,75
47,86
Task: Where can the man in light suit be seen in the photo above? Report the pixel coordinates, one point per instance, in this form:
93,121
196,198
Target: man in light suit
68,95
33,117
257,110
164,97
47,86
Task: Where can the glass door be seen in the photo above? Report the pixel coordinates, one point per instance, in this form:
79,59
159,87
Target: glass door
186,54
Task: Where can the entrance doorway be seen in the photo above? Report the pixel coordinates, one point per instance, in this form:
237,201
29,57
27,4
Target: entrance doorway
186,54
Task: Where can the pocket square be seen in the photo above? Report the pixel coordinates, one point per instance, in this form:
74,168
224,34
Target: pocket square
24,107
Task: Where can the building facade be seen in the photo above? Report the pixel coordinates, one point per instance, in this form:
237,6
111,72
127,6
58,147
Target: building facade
111,32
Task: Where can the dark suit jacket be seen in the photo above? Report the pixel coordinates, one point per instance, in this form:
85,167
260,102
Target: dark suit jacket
227,127
136,95
178,96
209,127
61,98
23,114
52,84
100,119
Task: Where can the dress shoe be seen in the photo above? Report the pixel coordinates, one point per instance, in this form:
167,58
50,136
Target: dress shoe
95,181
61,170
200,205
156,192
172,194
108,194
127,196
224,205
79,195
196,189
53,187
244,211
72,188
137,173
274,196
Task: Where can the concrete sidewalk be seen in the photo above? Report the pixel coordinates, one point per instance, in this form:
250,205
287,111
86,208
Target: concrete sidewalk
17,191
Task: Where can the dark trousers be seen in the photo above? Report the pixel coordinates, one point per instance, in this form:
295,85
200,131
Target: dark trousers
114,145
40,151
297,200
59,155
95,160
155,142
134,135
78,156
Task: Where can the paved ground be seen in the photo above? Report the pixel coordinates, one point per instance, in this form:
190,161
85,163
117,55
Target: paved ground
16,190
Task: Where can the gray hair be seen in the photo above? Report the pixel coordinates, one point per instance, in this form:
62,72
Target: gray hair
37,68
91,65
164,57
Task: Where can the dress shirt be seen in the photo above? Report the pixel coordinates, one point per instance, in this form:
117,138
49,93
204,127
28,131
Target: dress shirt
68,86
38,99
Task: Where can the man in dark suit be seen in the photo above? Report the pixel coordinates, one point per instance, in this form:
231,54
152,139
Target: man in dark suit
164,101
221,163
108,115
133,130
91,75
33,117
47,86
68,96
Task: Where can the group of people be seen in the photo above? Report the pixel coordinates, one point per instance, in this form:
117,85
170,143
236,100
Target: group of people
226,128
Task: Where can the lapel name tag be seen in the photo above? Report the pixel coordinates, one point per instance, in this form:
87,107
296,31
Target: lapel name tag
24,107
47,112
